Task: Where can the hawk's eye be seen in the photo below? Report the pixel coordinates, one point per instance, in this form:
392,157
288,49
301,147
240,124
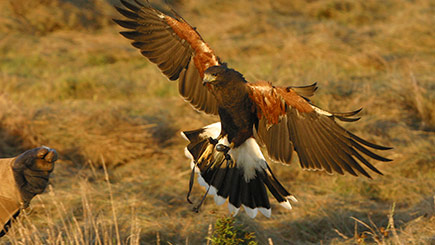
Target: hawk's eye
214,74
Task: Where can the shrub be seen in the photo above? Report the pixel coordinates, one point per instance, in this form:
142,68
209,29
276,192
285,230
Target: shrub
228,232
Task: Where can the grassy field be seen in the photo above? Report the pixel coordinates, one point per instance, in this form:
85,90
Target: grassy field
69,81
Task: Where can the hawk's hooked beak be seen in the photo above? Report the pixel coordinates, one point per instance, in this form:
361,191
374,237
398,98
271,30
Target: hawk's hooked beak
208,78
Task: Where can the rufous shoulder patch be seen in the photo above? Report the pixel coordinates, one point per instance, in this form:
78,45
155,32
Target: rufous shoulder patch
294,100
269,104
204,55
271,101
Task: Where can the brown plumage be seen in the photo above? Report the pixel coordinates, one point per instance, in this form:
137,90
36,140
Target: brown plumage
176,48
281,119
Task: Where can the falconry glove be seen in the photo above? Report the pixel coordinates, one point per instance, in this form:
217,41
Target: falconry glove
22,178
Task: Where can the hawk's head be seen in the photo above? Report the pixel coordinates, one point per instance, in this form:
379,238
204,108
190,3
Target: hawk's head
218,76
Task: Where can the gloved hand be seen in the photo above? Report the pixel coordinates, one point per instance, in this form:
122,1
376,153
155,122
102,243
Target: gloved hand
32,170
21,178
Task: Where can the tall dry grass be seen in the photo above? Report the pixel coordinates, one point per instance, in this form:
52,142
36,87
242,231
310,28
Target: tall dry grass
70,81
84,225
41,17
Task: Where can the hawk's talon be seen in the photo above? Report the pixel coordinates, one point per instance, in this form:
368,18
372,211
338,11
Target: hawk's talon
212,141
222,148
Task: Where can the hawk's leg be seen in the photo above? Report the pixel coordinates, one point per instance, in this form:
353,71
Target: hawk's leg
207,154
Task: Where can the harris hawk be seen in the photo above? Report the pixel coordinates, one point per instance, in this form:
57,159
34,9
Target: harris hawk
226,155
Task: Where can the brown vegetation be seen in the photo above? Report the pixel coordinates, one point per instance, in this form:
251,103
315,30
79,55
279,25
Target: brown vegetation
69,81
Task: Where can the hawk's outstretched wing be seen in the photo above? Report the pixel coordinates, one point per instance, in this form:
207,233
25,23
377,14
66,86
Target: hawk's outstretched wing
176,48
287,122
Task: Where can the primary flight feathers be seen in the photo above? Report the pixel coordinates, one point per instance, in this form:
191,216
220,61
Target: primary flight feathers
176,48
281,119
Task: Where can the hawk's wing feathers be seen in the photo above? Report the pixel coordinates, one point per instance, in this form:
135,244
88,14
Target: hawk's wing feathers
289,122
176,48
305,91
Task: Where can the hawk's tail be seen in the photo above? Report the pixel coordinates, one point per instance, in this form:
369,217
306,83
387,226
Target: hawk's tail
243,180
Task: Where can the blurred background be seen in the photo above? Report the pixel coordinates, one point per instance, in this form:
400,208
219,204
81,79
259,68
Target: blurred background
68,80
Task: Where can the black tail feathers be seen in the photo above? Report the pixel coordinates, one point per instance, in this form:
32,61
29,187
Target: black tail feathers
243,180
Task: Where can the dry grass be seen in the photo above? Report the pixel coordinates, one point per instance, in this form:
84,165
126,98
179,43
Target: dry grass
71,82
41,17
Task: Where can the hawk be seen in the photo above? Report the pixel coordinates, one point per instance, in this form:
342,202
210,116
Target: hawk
226,155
